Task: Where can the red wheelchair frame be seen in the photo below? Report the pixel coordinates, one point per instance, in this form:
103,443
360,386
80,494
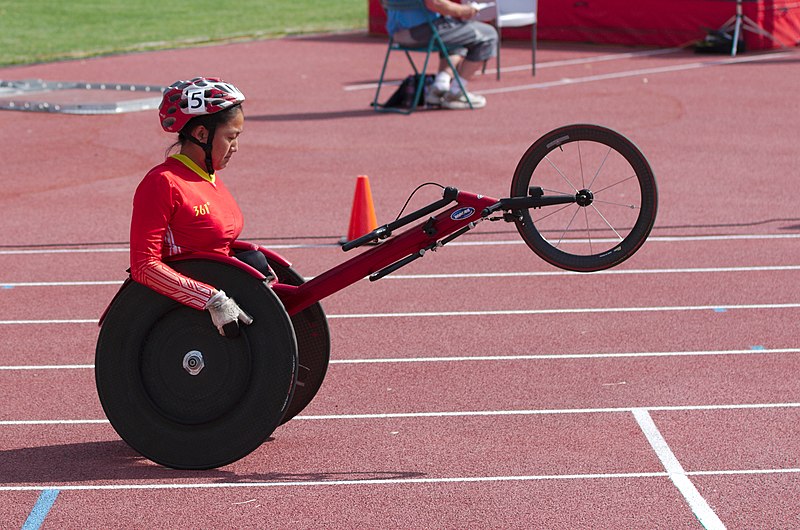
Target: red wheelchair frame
438,230
263,378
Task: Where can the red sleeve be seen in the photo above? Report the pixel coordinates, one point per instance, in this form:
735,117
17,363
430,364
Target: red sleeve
154,202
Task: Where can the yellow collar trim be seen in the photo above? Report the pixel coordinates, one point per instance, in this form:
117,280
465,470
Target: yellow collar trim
188,162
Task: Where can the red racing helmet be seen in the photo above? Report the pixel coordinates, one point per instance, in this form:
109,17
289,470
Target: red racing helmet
183,100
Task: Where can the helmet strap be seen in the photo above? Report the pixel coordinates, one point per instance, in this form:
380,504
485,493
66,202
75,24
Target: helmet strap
207,148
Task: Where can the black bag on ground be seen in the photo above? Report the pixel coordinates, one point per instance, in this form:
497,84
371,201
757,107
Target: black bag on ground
718,42
403,97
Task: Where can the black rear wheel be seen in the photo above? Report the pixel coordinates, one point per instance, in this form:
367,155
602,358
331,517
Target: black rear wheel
176,390
313,345
613,187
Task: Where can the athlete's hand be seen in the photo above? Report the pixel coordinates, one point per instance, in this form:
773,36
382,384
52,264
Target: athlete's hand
226,315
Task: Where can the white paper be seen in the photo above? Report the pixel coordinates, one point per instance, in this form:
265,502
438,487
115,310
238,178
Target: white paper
480,6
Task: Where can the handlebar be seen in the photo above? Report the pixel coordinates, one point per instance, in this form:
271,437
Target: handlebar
382,232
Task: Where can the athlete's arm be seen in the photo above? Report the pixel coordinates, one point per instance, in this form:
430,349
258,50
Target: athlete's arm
153,204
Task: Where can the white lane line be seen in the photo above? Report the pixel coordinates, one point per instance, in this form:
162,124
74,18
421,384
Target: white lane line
611,272
467,413
500,312
586,60
460,275
50,321
617,355
431,480
651,239
539,412
114,250
49,367
676,473
359,482
545,65
743,472
17,423
567,311
483,358
375,481
632,73
309,483
61,251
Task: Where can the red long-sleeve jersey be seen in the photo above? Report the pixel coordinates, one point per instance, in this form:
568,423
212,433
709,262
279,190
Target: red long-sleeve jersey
179,209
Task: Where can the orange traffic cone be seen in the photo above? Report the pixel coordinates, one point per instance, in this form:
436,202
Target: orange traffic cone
362,216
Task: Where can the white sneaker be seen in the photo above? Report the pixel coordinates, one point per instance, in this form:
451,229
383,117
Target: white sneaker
459,101
433,96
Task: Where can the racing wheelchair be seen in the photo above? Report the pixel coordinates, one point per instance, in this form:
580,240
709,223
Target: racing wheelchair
583,198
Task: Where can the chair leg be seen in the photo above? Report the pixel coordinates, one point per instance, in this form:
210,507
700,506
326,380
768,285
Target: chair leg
421,82
377,106
375,103
410,60
533,49
499,41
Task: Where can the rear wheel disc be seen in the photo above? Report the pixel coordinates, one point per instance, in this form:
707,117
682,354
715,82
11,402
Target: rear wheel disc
313,345
176,390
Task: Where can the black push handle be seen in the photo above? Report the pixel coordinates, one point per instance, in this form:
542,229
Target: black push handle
382,232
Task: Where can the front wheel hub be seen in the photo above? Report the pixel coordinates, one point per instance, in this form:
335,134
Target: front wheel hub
584,198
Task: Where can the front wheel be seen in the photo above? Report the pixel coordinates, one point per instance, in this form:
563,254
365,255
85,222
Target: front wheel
615,198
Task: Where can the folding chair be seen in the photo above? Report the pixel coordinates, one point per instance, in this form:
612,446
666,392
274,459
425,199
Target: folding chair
516,14
435,44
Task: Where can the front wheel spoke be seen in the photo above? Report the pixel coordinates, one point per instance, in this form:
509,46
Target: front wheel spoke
622,204
600,168
615,184
566,228
552,213
556,192
588,230
563,176
606,222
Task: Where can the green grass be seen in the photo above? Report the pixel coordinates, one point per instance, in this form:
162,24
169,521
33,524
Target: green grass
47,30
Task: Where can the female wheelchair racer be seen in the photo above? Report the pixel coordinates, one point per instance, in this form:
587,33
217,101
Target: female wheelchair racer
191,395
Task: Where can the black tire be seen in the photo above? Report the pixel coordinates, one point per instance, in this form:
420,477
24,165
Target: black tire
313,345
622,190
223,412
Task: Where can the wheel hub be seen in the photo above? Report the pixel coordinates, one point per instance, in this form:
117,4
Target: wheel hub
584,198
193,362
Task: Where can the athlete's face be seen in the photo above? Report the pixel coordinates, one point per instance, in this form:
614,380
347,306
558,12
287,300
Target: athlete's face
226,140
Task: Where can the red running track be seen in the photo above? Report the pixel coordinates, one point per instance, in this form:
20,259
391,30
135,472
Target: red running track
478,387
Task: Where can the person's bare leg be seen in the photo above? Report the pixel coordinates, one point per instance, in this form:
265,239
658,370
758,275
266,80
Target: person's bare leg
444,77
468,69
455,99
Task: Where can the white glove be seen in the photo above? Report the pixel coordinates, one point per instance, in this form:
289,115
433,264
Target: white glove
226,315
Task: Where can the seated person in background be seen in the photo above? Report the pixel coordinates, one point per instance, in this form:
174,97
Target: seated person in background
468,41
